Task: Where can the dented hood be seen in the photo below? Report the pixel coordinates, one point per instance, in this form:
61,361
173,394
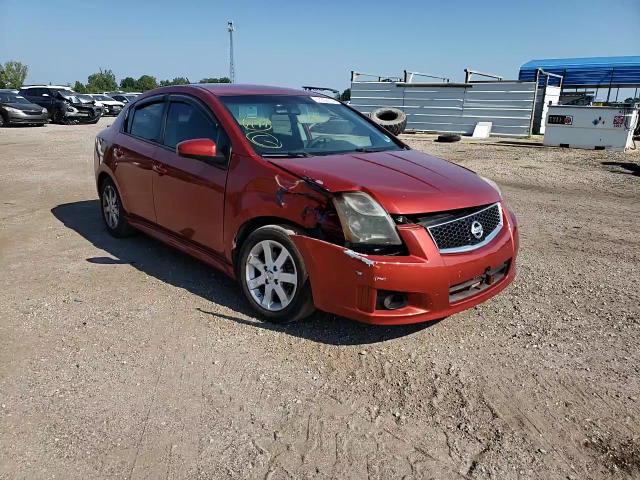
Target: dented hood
404,182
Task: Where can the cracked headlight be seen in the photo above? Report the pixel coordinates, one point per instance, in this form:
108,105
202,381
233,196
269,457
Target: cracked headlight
364,221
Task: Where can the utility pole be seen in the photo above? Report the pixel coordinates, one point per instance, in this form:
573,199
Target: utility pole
232,70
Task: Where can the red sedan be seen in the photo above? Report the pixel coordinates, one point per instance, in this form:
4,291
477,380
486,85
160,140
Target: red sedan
306,202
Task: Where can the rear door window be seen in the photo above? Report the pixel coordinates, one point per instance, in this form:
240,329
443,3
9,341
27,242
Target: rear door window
147,121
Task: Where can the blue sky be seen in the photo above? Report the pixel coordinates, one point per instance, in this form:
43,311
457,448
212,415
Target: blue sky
299,42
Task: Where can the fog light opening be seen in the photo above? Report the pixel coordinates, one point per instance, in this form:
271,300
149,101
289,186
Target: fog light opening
394,301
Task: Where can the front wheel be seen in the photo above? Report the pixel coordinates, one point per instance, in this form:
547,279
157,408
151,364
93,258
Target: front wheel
59,118
3,121
273,277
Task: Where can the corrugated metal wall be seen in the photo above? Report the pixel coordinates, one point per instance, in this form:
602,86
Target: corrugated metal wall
454,108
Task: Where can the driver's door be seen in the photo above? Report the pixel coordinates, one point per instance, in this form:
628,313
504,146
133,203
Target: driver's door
189,193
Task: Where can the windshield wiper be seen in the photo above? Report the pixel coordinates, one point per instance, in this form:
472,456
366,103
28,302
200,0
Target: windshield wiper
287,155
370,150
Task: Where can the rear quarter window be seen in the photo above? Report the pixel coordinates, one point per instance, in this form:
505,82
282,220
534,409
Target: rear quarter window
146,122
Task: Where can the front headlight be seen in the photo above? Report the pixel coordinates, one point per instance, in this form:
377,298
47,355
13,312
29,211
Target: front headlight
71,109
12,110
492,183
44,110
364,220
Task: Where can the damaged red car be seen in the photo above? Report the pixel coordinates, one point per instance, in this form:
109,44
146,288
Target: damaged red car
306,202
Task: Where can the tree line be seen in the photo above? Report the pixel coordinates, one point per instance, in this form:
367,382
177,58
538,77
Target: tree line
14,73
105,81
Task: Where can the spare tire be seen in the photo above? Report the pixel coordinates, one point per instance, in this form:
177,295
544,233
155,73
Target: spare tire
448,138
392,119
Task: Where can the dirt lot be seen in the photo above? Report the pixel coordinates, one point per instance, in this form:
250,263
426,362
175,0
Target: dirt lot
126,359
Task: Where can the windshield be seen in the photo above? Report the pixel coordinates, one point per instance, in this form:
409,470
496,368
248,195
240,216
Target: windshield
8,97
69,96
103,98
288,125
85,98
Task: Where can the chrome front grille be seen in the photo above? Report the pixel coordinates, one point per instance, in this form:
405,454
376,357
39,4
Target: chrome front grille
467,232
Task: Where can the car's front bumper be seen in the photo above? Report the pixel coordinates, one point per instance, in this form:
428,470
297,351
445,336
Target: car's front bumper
83,116
348,284
112,111
22,118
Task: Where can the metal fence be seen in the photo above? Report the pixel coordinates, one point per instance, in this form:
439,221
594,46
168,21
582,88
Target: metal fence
455,107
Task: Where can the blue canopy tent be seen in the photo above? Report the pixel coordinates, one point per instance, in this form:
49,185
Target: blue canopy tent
592,72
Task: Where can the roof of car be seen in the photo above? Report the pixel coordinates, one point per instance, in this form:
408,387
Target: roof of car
64,87
246,89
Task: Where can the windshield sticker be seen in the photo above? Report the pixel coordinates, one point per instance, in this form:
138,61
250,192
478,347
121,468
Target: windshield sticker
324,100
258,132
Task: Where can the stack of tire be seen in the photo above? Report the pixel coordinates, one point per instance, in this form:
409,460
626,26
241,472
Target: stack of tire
392,119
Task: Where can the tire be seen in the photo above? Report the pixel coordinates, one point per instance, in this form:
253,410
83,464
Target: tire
448,138
392,119
4,122
58,117
288,283
113,214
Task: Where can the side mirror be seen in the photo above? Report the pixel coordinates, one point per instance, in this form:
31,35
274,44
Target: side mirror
203,149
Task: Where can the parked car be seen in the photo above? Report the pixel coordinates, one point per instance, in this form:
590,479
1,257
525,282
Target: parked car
17,110
111,106
124,97
62,104
257,183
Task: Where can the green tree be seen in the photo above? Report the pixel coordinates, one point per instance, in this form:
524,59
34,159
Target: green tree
215,80
346,95
146,82
175,81
13,74
128,84
102,81
79,87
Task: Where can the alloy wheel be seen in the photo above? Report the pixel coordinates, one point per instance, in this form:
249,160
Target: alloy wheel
110,207
271,275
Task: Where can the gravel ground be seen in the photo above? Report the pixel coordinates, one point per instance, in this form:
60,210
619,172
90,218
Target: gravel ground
126,359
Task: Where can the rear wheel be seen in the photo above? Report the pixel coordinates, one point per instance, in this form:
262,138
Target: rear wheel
112,211
273,277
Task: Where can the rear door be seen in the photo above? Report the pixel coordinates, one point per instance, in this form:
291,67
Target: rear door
189,193
133,154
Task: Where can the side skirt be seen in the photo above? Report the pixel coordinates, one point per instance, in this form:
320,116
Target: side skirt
190,248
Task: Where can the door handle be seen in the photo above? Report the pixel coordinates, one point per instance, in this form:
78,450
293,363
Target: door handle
159,169
117,153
